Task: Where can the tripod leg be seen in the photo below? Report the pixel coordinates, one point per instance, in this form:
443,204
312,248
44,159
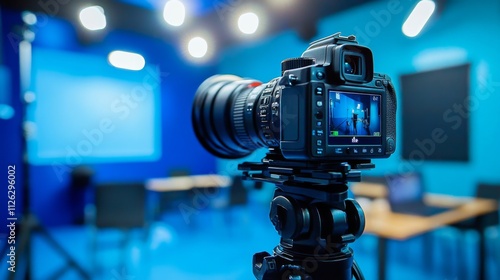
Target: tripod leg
24,248
382,254
4,252
482,251
356,271
60,249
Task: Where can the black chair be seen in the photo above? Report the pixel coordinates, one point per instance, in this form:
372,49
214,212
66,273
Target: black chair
119,206
238,194
80,184
488,191
169,201
374,179
480,224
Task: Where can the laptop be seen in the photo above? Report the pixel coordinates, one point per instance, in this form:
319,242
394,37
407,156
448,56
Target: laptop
406,195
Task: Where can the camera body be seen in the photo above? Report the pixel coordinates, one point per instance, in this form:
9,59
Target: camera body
329,105
327,113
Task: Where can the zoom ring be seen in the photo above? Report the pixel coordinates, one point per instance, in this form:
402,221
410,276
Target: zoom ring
239,123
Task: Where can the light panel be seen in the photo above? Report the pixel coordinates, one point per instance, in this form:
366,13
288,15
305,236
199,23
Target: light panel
127,60
418,18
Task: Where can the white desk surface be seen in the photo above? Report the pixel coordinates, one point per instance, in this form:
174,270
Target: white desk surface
183,183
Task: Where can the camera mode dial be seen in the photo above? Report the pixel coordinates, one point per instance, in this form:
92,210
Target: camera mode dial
294,63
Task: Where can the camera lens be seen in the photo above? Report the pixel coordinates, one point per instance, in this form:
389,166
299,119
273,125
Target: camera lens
351,64
356,64
348,68
226,115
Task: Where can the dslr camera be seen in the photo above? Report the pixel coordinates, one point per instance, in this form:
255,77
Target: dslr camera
328,105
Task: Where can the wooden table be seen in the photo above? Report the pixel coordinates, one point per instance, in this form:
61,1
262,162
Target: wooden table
385,224
185,183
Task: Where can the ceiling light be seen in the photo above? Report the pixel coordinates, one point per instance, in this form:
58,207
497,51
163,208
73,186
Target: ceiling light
197,47
249,18
174,13
248,23
127,60
93,18
29,18
418,18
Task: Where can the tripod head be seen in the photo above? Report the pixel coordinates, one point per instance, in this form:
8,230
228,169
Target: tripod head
313,215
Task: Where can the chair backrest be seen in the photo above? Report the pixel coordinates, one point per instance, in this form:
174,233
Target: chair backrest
120,205
491,191
79,184
81,177
177,172
382,180
238,194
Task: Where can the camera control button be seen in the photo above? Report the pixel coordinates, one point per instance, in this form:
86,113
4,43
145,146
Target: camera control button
339,151
319,123
319,142
379,150
319,132
265,101
364,150
319,91
319,151
320,75
319,115
355,150
390,145
319,103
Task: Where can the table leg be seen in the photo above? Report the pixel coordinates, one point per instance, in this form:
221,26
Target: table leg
482,250
382,261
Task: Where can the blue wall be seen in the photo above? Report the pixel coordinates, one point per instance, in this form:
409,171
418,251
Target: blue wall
465,31
51,196
10,130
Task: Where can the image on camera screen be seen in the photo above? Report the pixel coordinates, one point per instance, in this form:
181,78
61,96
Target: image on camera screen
353,115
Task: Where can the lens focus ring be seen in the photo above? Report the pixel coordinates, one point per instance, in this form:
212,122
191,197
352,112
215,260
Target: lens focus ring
224,116
241,132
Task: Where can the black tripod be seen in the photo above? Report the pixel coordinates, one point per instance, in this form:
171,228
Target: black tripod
314,217
29,224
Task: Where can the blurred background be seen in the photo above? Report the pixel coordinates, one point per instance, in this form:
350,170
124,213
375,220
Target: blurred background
110,181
